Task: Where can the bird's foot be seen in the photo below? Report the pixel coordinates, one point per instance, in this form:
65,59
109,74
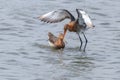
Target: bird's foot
84,50
80,49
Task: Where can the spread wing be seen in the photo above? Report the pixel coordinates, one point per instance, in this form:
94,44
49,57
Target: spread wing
56,16
80,19
84,19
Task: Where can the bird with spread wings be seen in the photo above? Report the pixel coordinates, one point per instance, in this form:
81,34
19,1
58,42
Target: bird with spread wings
78,25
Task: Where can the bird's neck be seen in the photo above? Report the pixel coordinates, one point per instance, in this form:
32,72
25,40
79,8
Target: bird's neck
59,42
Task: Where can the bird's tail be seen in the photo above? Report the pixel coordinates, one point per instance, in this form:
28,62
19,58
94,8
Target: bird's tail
50,34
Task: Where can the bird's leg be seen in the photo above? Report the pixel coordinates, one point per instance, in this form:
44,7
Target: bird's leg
85,42
80,41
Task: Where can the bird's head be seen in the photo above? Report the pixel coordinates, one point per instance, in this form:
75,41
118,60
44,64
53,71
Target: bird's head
61,36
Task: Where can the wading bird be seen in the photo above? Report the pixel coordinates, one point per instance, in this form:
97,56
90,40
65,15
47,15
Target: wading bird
79,25
56,42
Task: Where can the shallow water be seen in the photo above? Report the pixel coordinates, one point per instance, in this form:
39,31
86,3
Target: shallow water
26,55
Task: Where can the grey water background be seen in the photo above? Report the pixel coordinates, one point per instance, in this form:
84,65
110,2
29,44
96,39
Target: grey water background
26,55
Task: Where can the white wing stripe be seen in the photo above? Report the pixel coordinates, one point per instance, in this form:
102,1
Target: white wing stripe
56,16
86,18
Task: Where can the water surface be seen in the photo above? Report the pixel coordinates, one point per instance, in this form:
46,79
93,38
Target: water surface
26,55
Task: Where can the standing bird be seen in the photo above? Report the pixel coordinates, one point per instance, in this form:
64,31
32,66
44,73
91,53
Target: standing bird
56,42
82,23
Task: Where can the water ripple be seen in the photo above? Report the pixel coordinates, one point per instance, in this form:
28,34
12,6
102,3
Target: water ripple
105,23
26,55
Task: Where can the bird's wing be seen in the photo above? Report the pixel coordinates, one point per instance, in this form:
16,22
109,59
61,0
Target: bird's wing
80,18
84,18
56,16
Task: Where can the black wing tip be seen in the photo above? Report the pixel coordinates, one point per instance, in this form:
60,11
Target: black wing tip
62,9
79,9
76,9
44,20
